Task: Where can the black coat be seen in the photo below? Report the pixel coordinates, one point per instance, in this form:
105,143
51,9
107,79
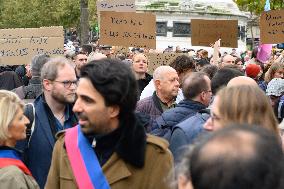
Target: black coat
142,83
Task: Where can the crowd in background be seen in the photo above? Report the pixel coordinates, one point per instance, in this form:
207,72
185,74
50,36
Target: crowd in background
220,116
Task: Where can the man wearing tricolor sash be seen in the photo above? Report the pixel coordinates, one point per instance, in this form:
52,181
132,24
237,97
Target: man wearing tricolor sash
109,147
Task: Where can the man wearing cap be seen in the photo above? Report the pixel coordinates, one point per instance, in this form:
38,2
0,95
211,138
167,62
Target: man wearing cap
106,50
275,91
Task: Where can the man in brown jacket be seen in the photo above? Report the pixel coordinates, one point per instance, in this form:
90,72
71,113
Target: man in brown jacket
105,106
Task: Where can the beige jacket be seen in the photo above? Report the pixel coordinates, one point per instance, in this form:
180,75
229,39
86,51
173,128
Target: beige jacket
120,175
11,177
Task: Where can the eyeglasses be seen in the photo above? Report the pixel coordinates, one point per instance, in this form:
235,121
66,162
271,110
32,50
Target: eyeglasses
214,117
67,84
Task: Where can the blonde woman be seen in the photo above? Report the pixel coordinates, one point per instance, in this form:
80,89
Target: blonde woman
13,173
140,67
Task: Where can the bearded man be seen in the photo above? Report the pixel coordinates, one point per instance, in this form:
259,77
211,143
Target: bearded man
53,113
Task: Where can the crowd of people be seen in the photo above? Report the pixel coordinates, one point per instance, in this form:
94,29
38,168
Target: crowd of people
96,118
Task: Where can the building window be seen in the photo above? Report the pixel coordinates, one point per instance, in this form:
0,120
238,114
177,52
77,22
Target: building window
181,29
241,32
161,29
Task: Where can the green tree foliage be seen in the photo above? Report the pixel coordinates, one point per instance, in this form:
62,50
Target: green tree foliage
277,4
252,6
257,6
38,13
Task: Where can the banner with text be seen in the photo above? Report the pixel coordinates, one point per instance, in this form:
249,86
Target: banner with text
128,29
19,45
206,32
117,5
161,59
272,27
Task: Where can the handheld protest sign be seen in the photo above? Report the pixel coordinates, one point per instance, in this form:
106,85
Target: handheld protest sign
19,45
272,27
116,5
128,29
204,32
160,59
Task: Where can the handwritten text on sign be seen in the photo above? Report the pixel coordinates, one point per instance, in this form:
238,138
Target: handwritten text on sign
272,27
116,5
18,46
206,32
128,29
160,59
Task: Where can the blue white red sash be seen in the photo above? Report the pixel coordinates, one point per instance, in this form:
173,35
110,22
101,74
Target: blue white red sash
10,157
84,162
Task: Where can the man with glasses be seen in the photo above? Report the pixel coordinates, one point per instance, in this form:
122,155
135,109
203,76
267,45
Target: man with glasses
53,113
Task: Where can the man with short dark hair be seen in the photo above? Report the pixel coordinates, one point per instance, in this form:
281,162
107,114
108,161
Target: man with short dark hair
242,157
201,63
79,59
197,93
109,148
87,49
222,77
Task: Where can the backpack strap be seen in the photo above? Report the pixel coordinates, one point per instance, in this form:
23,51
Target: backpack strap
30,113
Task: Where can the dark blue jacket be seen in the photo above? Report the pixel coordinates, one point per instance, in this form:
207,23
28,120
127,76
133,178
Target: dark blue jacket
262,85
165,123
186,132
38,153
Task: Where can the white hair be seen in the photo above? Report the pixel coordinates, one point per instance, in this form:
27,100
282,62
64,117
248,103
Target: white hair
161,71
